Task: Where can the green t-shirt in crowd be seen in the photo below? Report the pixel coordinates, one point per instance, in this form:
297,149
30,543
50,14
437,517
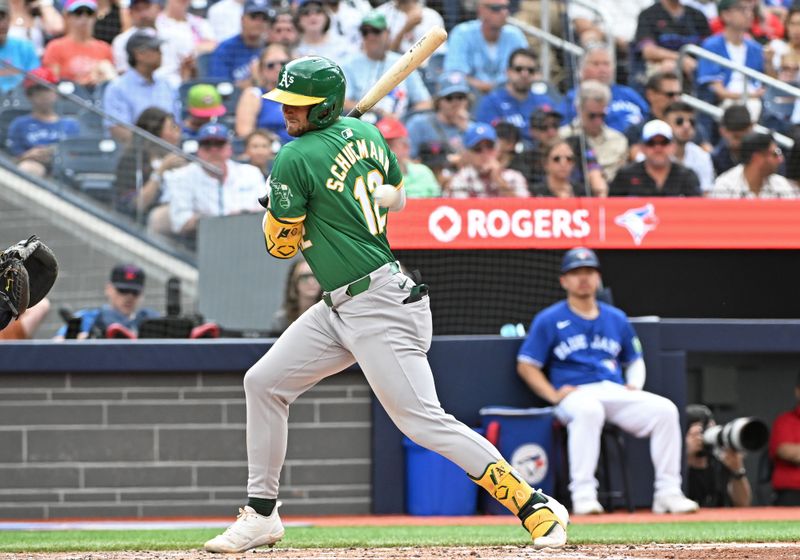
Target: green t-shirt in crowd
420,182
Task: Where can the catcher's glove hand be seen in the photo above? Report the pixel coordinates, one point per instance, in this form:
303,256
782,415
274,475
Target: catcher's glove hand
27,272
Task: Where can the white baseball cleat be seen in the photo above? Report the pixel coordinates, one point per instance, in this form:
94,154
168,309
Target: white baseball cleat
557,536
586,507
250,530
674,503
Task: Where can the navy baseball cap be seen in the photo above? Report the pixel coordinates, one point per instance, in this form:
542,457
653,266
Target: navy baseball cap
259,7
213,131
127,277
579,257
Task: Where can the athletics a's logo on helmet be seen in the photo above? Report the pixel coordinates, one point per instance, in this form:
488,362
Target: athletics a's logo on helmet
638,221
286,80
444,223
530,460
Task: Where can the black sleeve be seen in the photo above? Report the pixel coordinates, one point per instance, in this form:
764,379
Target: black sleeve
645,27
619,186
691,183
703,27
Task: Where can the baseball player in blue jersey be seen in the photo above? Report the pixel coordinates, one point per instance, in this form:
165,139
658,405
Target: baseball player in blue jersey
595,375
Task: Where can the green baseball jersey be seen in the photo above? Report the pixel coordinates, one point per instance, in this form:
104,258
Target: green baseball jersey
327,177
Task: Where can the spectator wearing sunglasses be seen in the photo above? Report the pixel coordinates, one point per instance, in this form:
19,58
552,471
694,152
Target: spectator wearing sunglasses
77,56
757,175
234,58
661,89
609,146
124,295
253,111
657,174
364,69
480,48
559,161
514,101
543,129
193,191
483,175
680,116
316,37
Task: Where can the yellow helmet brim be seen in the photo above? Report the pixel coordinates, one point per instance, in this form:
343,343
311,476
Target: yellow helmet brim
289,98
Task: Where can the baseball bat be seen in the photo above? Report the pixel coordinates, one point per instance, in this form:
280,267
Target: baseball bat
398,72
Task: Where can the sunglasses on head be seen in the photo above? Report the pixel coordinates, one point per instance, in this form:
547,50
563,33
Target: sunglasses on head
496,7
80,12
680,121
128,292
657,142
568,159
365,31
455,97
272,64
521,69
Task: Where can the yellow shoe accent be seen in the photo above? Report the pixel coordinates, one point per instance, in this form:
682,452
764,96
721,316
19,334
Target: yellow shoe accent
543,517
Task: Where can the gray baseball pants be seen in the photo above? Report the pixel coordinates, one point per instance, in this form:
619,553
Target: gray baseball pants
389,340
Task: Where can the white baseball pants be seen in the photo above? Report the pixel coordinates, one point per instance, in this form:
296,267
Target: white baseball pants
389,340
640,413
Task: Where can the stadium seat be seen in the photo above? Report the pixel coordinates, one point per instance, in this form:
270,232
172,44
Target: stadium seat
202,62
16,99
65,105
88,164
91,124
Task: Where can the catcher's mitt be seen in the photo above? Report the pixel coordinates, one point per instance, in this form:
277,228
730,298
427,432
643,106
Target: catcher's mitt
27,272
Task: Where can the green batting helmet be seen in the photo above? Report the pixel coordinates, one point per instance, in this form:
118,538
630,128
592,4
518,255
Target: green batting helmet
312,80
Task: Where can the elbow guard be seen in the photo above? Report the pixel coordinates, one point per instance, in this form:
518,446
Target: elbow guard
282,238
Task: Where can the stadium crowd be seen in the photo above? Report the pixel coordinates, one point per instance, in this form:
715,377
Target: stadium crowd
479,119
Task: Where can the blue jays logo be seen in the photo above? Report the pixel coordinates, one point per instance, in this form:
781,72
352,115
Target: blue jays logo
530,460
638,221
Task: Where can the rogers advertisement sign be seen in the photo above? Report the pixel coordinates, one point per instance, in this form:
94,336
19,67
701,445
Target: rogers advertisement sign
611,223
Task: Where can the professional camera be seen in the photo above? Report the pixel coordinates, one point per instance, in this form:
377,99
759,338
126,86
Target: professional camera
740,434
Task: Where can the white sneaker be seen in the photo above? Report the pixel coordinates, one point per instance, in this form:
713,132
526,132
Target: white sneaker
586,507
250,530
557,536
674,503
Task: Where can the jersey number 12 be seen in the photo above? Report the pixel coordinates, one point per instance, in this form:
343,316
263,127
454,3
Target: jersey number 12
372,215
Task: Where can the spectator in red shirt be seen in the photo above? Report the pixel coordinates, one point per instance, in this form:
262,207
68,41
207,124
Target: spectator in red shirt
77,56
784,450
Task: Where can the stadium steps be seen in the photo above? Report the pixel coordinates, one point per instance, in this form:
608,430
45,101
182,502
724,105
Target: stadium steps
86,246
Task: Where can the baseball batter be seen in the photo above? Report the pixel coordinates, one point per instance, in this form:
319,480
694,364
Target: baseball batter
322,201
584,344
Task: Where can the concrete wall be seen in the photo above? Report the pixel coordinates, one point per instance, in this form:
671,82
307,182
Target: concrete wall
170,444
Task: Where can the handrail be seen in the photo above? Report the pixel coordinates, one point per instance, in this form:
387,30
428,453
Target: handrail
547,37
716,112
727,63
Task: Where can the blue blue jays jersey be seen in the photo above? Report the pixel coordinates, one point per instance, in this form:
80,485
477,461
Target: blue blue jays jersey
577,351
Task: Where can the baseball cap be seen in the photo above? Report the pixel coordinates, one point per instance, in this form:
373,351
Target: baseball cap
392,128
655,128
42,72
127,277
453,82
213,131
72,5
374,19
723,5
477,132
304,3
544,112
258,7
142,40
203,100
579,257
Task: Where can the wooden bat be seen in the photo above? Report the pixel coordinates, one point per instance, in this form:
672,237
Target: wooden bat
398,72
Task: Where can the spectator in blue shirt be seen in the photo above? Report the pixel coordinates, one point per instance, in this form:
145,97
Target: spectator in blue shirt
365,68
137,89
16,54
480,48
516,100
32,138
722,85
235,58
124,294
626,107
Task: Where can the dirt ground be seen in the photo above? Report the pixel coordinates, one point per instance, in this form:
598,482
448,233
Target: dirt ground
751,551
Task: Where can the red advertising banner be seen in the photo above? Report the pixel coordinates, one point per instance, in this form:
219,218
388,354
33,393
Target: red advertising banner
610,223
